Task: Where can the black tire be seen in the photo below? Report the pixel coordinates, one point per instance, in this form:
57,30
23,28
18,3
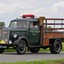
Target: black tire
1,50
56,47
21,47
34,50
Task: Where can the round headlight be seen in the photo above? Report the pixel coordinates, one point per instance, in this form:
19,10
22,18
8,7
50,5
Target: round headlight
15,35
10,42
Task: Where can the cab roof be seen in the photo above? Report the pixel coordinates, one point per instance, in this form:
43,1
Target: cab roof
26,19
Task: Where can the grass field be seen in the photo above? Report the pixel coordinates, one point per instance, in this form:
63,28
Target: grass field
38,62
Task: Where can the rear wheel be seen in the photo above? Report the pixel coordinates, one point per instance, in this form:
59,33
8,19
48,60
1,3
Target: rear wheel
56,47
1,50
34,50
21,47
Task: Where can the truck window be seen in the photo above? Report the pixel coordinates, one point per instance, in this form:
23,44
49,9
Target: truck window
13,25
33,25
19,24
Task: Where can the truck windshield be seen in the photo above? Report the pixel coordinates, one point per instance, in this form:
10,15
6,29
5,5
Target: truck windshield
19,24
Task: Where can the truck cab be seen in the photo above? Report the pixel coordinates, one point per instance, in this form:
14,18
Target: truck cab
20,34
25,28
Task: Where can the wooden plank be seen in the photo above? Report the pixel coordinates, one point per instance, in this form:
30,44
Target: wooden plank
53,28
53,35
54,18
45,42
53,23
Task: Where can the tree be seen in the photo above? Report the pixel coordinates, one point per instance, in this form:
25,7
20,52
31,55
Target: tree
2,24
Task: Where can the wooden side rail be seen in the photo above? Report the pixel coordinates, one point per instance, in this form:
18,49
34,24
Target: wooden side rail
53,23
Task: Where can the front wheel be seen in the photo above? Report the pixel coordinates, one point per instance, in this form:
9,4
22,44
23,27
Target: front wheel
21,47
1,50
56,47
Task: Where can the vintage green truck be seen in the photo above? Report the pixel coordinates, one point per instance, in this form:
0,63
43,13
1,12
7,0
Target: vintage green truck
30,32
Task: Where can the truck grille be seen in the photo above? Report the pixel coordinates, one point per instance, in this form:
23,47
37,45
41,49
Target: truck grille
5,35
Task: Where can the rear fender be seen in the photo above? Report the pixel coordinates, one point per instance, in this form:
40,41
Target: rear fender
51,41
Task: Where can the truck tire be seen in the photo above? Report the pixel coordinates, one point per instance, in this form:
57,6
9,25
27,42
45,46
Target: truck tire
56,47
21,47
1,50
34,50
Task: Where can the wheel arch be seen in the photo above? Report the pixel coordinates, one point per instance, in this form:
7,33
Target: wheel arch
51,41
23,38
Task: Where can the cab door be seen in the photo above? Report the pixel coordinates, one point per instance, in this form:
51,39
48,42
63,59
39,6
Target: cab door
33,34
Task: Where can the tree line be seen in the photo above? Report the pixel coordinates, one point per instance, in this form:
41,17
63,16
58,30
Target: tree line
2,25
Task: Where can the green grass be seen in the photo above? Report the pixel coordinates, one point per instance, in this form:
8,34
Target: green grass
10,50
63,46
37,62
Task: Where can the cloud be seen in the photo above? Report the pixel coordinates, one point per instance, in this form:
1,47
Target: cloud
10,9
58,6
55,9
37,7
21,6
7,8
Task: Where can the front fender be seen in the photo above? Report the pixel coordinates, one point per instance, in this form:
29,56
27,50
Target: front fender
20,38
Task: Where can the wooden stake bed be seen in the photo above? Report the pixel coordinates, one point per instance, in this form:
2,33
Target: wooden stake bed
52,28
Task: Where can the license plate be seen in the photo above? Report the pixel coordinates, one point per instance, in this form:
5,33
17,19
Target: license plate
2,46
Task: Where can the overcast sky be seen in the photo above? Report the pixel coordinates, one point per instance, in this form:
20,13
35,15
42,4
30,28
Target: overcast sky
11,9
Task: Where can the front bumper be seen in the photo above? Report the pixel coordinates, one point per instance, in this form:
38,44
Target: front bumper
3,43
7,46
